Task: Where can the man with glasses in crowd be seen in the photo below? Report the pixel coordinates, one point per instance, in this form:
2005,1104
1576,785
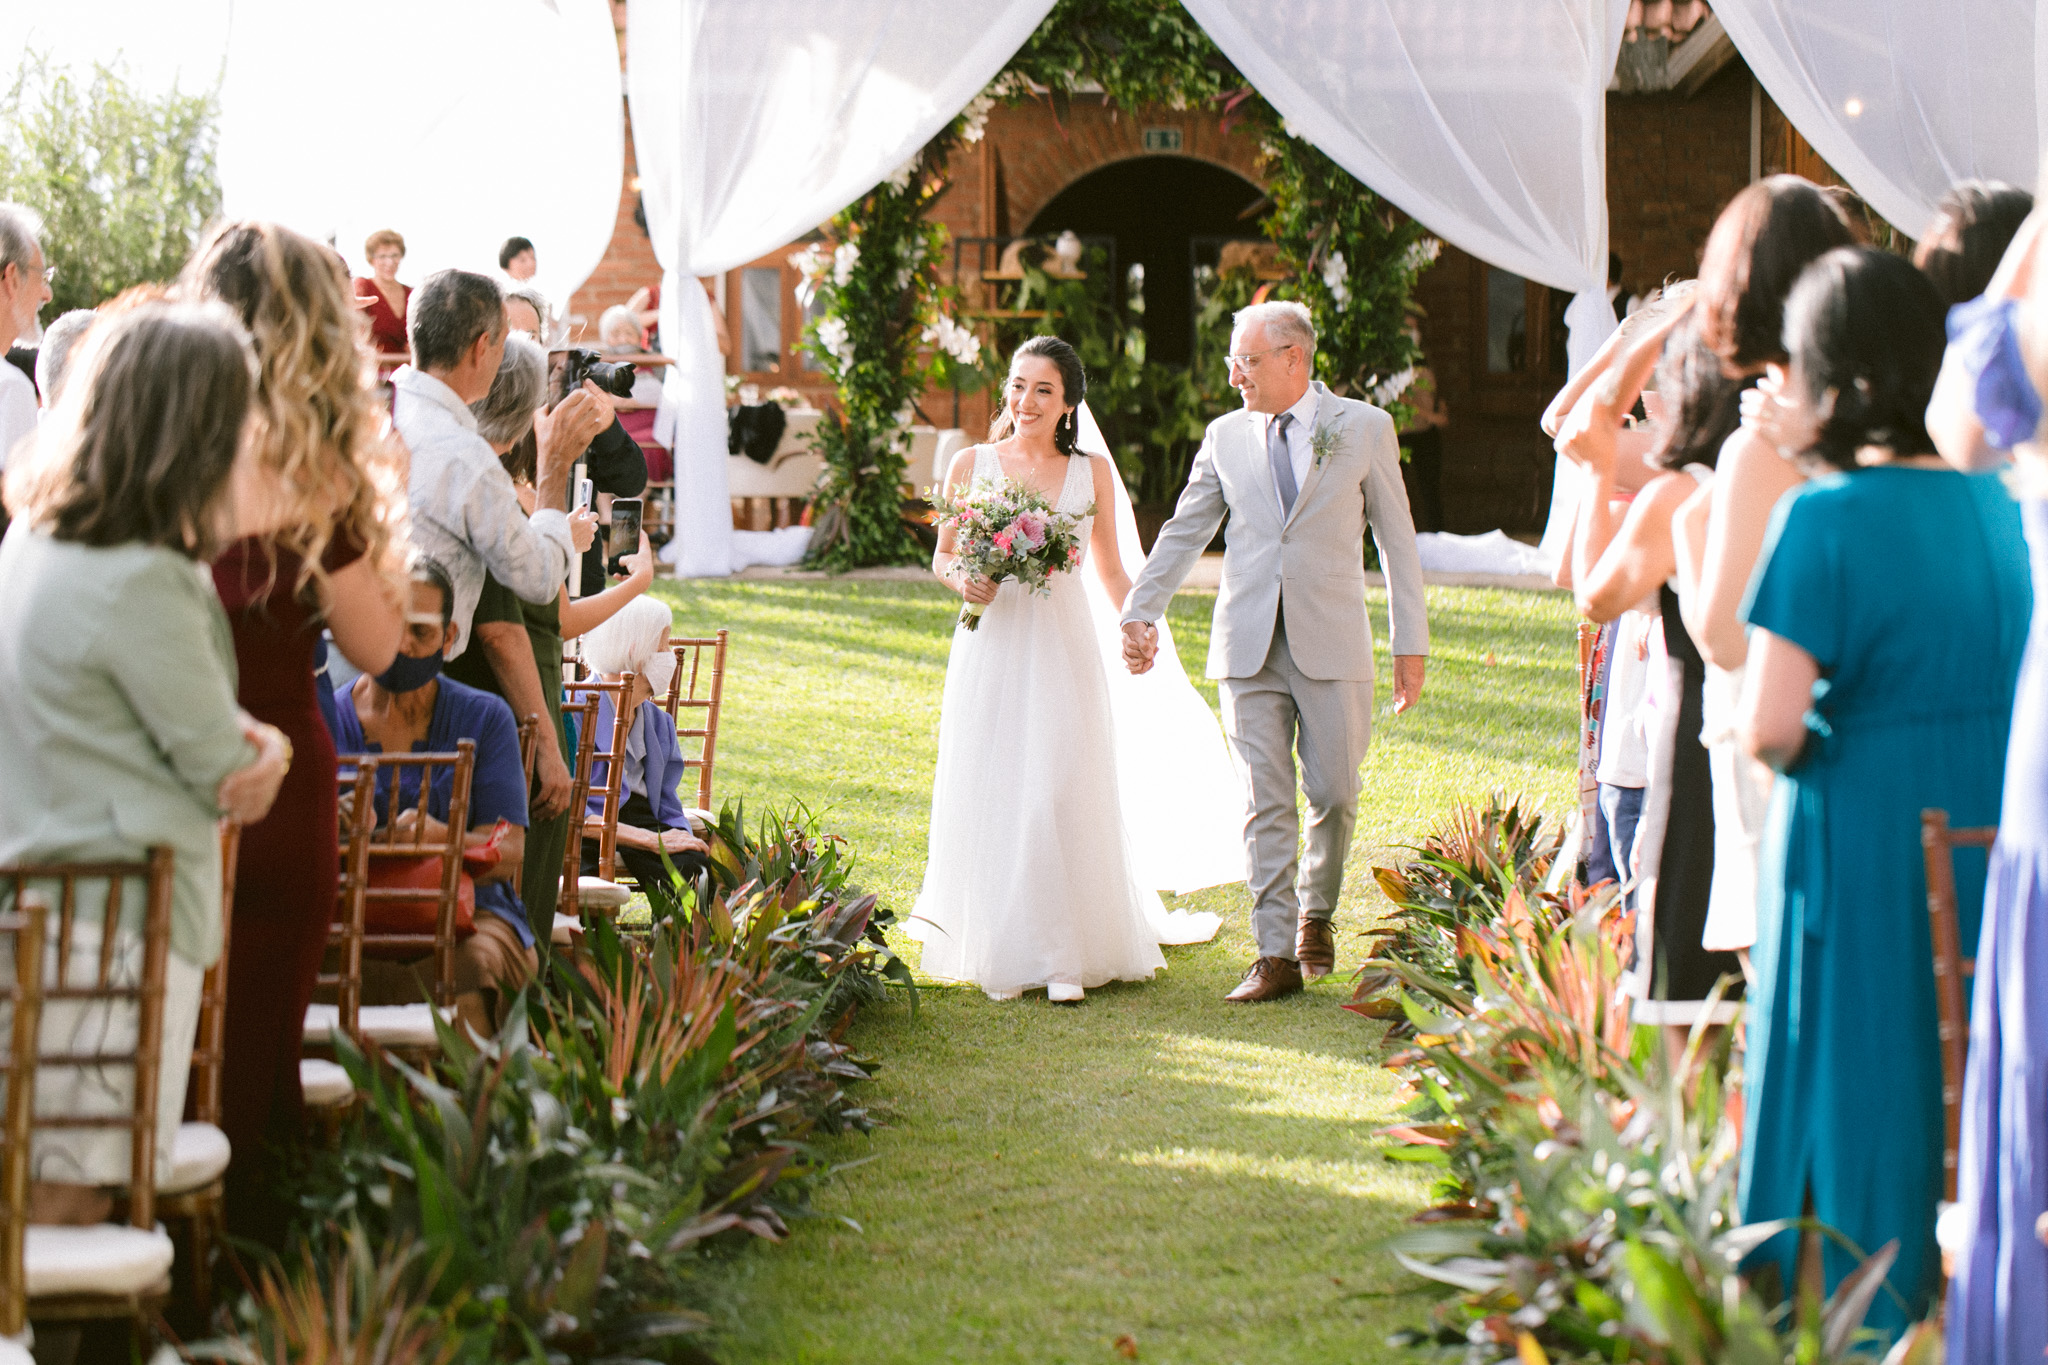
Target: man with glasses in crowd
24,289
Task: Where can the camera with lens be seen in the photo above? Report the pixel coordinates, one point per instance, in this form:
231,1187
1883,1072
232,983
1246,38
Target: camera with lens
581,363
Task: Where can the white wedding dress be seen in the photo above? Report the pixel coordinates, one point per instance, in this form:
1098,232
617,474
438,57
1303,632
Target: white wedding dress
1032,878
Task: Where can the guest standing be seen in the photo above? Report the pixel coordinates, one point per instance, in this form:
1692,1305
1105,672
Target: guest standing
318,517
1760,243
1997,1310
118,724
388,298
1888,612
24,289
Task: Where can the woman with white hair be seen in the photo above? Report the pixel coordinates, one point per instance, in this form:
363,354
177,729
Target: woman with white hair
634,645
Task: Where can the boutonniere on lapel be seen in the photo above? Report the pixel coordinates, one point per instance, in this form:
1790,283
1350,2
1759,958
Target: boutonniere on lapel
1322,443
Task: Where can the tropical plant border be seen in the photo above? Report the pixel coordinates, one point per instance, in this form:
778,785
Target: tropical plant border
885,329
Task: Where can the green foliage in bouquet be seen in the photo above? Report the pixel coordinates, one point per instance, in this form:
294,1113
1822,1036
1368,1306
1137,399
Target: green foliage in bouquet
124,179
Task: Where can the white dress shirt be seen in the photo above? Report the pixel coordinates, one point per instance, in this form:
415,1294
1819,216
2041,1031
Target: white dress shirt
465,514
17,409
1300,450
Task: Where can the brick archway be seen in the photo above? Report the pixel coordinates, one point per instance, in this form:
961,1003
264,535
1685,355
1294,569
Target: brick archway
1037,156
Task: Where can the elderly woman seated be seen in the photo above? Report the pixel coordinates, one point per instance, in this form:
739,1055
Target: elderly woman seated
651,818
410,708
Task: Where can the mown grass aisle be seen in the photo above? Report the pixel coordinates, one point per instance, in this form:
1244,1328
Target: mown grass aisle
1199,1178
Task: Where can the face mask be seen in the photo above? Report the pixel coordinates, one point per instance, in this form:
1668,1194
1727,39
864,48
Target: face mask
1983,334
661,671
410,672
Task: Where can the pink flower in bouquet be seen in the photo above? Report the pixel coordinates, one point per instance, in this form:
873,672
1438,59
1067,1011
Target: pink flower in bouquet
1031,527
1002,539
1073,555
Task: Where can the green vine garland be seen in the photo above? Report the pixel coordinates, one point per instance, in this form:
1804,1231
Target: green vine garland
884,331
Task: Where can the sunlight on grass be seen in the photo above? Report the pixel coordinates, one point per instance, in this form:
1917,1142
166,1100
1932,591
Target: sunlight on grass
1344,1090
1352,1179
1154,1162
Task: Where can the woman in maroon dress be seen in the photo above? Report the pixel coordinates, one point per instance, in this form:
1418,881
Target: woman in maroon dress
387,297
317,551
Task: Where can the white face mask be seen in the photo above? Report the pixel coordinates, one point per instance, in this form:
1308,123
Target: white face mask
660,672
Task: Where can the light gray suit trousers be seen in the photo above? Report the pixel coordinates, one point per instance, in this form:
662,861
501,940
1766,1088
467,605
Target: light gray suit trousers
1292,645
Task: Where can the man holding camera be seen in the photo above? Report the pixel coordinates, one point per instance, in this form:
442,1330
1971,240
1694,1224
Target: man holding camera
465,514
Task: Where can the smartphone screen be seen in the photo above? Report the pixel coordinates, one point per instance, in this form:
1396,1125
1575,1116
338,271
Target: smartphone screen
623,537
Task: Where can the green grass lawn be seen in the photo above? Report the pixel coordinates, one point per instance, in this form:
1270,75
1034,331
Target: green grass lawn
1155,1164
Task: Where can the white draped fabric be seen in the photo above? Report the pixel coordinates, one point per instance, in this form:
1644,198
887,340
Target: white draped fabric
754,123
1902,97
1485,121
457,122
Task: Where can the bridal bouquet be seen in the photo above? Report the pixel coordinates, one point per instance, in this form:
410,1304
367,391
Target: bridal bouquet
1002,529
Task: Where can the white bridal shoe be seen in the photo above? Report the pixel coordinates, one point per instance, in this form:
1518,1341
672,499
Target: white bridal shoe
1060,993
1000,996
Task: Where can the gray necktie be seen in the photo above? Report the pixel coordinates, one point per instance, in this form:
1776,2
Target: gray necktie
1281,461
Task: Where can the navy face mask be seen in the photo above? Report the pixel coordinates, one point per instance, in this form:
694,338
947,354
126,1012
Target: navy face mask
410,672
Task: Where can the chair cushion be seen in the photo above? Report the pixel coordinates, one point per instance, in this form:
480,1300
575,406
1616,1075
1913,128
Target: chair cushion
385,1025
324,1083
103,1259
198,1157
565,932
601,894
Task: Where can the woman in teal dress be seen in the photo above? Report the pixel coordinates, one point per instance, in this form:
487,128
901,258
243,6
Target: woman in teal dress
1888,614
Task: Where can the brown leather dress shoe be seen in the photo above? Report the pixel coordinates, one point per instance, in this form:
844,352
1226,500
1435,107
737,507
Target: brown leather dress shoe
1269,979
1315,947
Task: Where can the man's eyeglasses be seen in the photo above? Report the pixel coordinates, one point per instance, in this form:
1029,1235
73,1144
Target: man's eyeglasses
1245,362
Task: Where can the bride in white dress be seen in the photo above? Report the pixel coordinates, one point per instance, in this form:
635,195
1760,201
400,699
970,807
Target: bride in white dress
1066,789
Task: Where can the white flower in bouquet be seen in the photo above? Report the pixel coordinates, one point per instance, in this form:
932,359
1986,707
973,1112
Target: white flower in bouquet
1336,274
844,257
956,341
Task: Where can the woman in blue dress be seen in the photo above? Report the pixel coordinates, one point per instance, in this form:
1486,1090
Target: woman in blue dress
1987,407
1888,612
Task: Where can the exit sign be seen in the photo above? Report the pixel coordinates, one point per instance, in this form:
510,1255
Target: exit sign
1162,139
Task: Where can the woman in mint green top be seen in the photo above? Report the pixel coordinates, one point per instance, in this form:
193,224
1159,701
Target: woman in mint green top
118,724
1888,614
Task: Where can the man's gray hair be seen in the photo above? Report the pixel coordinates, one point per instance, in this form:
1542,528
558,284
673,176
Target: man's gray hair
53,357
20,226
1287,323
448,313
504,414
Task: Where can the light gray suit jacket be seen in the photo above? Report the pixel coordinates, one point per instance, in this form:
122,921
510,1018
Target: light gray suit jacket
1315,559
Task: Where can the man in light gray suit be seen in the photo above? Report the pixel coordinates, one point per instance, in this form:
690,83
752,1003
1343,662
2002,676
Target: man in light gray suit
1302,474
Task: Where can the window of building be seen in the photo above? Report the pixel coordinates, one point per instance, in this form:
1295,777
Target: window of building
761,339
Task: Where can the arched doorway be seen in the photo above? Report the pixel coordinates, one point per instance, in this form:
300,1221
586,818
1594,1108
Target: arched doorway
1156,207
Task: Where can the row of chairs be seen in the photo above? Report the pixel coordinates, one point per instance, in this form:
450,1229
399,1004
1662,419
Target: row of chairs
694,699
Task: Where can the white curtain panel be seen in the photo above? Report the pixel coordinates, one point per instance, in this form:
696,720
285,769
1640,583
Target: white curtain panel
1902,97
1485,120
752,124
465,122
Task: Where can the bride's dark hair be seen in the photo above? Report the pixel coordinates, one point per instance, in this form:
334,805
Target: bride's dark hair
1066,433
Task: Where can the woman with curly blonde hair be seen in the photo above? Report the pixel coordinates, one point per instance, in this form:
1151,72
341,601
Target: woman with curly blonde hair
319,513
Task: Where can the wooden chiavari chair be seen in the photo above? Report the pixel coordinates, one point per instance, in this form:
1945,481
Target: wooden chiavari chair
611,790
22,931
407,1029
99,973
695,696
1938,843
582,713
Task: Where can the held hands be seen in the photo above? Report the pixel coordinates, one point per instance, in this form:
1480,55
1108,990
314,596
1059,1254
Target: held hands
245,795
1141,645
